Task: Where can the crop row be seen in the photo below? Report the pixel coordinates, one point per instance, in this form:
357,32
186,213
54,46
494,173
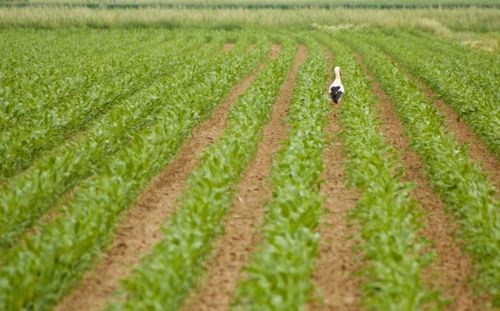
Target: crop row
278,275
389,219
27,195
108,85
39,68
466,80
463,187
36,273
163,279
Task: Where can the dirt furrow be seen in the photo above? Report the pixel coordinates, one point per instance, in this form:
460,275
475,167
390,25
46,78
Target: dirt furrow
140,228
338,288
227,47
477,148
233,249
452,268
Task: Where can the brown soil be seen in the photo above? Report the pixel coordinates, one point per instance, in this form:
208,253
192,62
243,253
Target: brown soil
477,149
452,268
227,47
275,51
233,249
141,227
333,276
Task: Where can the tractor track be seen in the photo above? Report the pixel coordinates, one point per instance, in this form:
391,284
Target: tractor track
241,226
140,228
452,268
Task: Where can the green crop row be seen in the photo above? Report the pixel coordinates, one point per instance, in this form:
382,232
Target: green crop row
464,188
163,279
35,274
102,87
39,68
39,71
467,80
26,196
388,218
278,276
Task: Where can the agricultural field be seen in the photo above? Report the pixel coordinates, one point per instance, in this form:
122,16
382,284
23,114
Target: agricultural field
163,164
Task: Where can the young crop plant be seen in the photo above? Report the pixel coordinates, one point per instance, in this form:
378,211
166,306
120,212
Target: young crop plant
35,274
466,80
464,188
393,255
278,276
163,279
23,203
58,113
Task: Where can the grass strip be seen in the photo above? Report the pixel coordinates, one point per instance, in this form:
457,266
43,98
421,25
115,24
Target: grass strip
35,274
278,276
162,280
464,188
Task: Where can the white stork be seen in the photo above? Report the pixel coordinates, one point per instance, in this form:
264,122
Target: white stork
337,89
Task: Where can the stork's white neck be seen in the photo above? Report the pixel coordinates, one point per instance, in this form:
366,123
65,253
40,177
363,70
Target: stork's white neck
337,73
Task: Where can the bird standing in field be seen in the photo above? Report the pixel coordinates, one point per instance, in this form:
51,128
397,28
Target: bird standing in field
337,89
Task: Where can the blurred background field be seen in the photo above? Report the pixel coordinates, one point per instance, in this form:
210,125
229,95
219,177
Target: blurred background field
478,27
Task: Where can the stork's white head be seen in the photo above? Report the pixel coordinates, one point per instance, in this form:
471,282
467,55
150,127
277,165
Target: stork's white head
338,71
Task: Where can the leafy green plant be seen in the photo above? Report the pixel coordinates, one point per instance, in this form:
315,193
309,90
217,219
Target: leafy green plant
25,197
389,219
464,188
162,280
465,79
36,273
75,101
278,276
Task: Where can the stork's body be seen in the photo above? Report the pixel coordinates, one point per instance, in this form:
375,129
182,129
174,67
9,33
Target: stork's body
337,89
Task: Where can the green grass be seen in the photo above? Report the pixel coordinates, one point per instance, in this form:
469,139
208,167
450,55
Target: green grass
427,19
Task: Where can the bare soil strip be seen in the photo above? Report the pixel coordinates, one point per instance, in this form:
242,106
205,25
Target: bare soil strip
477,149
452,268
335,266
227,47
141,226
232,250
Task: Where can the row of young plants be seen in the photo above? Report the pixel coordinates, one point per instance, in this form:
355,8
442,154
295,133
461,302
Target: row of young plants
389,220
26,196
39,70
40,76
163,279
278,274
36,273
465,189
468,84
476,58
121,75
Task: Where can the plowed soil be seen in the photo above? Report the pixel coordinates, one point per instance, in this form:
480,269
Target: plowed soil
141,227
233,249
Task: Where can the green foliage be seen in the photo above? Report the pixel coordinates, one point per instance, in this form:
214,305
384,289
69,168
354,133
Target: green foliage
389,220
467,80
162,280
59,96
24,197
278,276
36,273
464,188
